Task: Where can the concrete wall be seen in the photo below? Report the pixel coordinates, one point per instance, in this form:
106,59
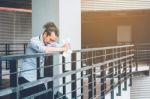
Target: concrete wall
42,12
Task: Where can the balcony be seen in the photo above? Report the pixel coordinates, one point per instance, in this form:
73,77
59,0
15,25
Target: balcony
103,71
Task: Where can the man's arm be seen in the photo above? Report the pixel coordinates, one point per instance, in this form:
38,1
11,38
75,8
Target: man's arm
65,47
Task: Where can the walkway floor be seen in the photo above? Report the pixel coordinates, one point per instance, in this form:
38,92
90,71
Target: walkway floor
140,88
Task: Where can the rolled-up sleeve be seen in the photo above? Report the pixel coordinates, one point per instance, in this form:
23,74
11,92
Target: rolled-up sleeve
56,45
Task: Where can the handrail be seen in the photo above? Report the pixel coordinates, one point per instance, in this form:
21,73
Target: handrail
19,56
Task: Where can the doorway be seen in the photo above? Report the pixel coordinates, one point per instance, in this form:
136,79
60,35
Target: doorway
124,34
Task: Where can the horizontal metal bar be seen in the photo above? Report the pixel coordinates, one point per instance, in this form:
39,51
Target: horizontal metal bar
37,94
13,57
8,91
104,48
22,56
12,43
82,69
89,67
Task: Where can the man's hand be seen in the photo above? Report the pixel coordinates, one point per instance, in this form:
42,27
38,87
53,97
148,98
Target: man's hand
66,46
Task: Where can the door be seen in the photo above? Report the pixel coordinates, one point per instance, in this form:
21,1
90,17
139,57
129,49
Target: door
124,34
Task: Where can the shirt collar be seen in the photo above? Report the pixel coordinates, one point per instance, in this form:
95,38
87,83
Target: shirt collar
41,38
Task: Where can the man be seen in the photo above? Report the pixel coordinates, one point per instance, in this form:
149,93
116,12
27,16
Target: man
44,43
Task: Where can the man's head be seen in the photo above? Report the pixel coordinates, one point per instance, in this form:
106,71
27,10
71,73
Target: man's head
50,33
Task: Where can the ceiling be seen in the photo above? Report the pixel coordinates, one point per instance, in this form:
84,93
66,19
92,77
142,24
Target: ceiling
114,5
88,5
24,4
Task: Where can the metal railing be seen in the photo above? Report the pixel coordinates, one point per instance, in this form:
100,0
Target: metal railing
142,55
11,49
93,73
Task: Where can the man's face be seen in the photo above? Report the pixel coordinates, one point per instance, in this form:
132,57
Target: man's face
49,38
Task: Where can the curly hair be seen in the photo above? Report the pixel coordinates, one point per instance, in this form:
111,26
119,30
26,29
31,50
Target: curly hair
51,27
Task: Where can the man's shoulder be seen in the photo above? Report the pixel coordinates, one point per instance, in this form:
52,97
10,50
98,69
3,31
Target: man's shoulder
34,39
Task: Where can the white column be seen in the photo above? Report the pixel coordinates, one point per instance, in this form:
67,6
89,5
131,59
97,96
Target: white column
70,27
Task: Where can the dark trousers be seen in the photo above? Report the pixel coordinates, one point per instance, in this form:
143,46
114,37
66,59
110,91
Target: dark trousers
33,90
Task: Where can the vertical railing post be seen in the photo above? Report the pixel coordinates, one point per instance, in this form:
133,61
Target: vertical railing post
82,66
119,72
149,69
130,71
73,76
48,72
149,59
125,70
38,67
102,83
0,74
130,66
64,78
112,81
24,48
48,68
90,78
111,70
13,76
82,84
116,62
102,77
6,53
94,75
125,76
136,57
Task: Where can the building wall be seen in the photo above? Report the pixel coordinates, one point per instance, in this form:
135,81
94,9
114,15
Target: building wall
101,27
